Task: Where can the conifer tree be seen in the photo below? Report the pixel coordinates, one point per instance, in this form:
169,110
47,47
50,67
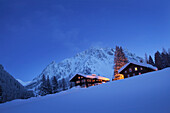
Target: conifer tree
119,59
63,84
49,88
164,56
123,57
169,57
158,60
116,61
0,94
151,61
54,84
43,86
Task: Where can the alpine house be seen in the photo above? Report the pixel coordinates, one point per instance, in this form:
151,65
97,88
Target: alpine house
134,68
88,80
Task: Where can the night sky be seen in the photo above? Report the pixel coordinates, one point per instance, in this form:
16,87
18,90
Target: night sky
33,33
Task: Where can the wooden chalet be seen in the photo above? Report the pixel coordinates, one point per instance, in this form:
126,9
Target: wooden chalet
88,80
133,69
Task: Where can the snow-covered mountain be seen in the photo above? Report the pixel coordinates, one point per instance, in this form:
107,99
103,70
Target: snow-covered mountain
99,61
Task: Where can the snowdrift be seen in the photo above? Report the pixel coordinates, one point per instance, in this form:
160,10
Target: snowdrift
147,93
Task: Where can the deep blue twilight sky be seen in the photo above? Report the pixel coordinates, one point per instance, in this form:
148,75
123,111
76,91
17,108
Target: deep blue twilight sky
35,32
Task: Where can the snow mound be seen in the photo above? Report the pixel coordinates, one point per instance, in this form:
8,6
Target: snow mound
146,93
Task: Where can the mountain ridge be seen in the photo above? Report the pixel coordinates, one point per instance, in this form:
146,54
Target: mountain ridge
96,60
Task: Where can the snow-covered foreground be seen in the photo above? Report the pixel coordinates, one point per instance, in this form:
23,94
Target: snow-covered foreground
147,93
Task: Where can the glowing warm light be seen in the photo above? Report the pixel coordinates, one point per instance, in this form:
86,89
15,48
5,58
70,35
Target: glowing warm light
119,76
77,82
136,68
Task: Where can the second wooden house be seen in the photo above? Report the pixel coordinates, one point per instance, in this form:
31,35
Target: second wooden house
134,68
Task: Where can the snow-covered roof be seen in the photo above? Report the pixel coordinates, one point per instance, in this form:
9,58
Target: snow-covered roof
91,76
139,64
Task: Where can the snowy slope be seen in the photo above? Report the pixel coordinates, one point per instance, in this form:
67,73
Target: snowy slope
99,61
23,83
147,93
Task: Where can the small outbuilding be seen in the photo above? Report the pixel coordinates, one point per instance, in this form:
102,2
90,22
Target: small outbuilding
134,68
88,80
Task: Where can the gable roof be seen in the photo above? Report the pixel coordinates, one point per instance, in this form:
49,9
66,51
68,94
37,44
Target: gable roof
91,76
139,64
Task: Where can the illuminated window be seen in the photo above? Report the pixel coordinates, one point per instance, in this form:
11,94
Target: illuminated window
130,69
125,71
77,82
141,68
78,77
139,73
136,68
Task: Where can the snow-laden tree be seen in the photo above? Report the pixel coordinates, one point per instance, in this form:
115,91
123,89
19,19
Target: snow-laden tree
55,84
119,59
151,61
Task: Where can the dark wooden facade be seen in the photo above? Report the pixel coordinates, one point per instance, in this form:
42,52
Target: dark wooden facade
86,81
134,69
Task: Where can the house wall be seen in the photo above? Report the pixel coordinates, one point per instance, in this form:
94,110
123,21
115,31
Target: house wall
140,70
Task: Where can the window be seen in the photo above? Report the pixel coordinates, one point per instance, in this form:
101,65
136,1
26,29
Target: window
139,73
77,82
141,68
125,71
88,80
133,74
136,68
83,80
130,69
78,77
